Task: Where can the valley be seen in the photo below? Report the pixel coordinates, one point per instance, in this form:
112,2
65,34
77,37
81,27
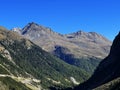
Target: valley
38,58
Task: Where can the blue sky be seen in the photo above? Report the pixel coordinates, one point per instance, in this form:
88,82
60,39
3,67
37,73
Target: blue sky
64,16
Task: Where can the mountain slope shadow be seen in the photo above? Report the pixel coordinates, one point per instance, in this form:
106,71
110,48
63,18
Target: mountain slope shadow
107,70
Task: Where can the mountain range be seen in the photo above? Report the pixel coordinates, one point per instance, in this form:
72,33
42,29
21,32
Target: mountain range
82,49
37,58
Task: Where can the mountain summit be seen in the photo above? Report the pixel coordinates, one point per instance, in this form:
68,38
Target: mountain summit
32,27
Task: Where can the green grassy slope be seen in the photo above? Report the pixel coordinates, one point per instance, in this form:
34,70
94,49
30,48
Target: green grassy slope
7,83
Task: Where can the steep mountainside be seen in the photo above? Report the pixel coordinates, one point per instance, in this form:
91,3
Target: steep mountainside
112,85
29,67
81,49
108,73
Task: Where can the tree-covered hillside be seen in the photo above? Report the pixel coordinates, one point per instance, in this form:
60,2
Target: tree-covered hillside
20,57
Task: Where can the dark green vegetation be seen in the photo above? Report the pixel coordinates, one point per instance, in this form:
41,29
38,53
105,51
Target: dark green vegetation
29,60
88,64
7,67
7,83
108,71
43,65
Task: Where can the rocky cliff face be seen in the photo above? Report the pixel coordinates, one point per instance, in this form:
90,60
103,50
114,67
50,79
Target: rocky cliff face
108,70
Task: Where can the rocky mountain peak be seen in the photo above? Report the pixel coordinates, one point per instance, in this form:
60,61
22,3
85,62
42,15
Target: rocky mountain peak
33,24
90,35
80,33
34,27
29,27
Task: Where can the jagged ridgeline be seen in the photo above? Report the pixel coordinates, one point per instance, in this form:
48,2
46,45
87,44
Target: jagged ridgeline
25,66
82,49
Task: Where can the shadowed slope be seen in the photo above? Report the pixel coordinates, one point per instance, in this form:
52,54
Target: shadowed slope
107,70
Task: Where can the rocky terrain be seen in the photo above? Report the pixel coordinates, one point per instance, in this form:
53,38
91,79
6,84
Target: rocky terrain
82,49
